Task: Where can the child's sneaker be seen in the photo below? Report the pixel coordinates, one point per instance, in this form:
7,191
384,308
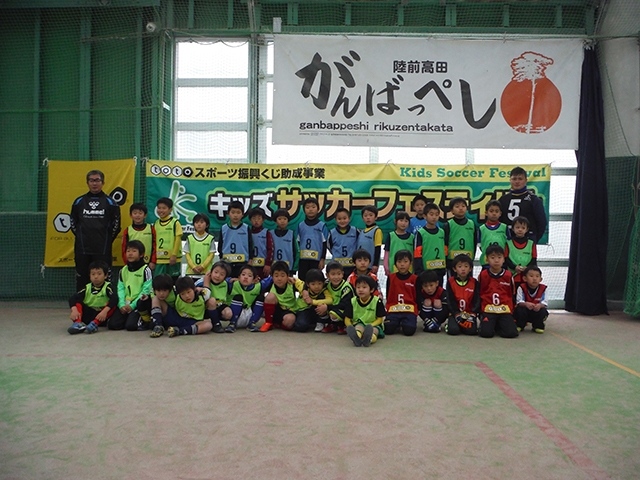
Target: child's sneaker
367,335
353,335
341,331
231,328
173,332
157,331
319,327
92,328
77,327
218,328
144,325
431,326
329,328
253,327
266,327
539,330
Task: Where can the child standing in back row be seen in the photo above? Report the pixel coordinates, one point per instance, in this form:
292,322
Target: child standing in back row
235,245
430,251
199,249
168,240
312,238
343,240
140,230
492,232
418,221
370,237
398,239
460,233
285,246
262,252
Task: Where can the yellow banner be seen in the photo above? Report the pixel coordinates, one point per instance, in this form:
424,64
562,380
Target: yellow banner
67,181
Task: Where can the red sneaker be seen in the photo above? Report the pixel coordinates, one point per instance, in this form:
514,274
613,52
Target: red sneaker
329,328
341,331
266,327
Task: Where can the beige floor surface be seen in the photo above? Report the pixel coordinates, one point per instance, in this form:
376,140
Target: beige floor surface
119,405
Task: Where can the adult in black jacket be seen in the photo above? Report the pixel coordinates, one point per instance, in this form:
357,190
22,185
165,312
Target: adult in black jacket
95,221
520,201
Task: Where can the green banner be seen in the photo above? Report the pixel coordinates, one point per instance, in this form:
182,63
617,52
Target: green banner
210,187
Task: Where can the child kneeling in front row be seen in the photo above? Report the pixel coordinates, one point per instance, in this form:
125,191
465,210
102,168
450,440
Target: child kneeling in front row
187,317
463,297
134,289
314,294
531,303
402,294
365,314
220,285
341,293
95,304
247,300
496,297
281,301
433,306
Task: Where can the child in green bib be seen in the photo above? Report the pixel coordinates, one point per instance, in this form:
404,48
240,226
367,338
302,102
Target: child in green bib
365,313
520,252
95,304
280,303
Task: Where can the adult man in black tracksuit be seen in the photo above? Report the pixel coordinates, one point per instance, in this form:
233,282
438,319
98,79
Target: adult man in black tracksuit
95,221
520,201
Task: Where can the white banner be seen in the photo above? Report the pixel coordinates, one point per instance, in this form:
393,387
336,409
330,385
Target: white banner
420,92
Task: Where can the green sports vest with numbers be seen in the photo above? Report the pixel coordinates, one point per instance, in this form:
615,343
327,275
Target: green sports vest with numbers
145,236
96,300
492,237
461,239
248,297
365,313
395,245
220,292
520,256
133,282
337,293
433,256
165,237
199,250
194,310
287,299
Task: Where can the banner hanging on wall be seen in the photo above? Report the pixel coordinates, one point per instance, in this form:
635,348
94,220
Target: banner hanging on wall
426,92
209,188
67,181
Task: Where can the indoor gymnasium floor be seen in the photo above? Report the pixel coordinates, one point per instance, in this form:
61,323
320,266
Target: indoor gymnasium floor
120,405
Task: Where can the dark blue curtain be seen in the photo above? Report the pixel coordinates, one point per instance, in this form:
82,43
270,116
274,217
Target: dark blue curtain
586,291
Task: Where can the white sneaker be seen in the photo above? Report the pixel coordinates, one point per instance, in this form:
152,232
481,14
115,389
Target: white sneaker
319,327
